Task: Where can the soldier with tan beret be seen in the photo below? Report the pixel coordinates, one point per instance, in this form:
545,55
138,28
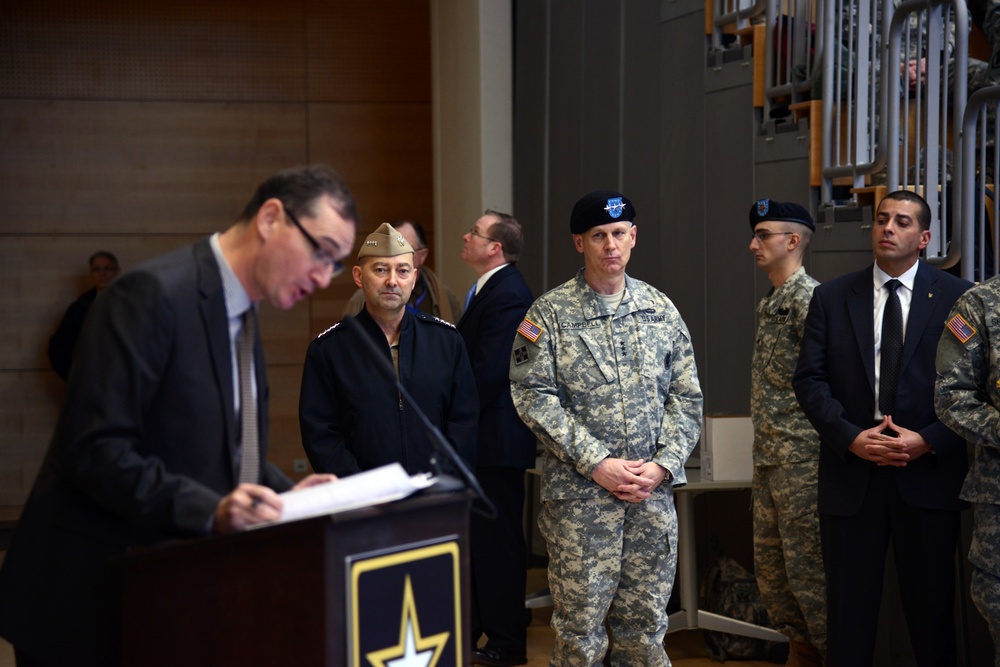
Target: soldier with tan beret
352,418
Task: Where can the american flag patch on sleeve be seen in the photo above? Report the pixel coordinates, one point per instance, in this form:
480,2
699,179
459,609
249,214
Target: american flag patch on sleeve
529,330
963,330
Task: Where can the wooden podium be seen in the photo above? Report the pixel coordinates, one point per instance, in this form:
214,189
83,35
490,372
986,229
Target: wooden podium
355,589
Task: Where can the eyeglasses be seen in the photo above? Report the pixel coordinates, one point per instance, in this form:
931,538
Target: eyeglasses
320,254
473,232
764,236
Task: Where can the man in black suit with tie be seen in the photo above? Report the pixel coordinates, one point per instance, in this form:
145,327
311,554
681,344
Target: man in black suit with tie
164,431
888,470
506,447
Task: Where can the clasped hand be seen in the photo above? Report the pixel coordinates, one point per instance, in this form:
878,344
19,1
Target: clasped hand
889,444
632,481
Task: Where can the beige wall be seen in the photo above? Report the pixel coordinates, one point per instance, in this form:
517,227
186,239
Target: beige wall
140,128
473,123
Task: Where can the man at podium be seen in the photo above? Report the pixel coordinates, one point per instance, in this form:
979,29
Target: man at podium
164,431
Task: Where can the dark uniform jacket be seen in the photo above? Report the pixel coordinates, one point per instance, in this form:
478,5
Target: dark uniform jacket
145,448
353,418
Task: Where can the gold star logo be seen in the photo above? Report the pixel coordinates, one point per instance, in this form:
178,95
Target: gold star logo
413,650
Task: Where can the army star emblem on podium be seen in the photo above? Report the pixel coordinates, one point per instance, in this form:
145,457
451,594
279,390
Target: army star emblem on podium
413,650
419,585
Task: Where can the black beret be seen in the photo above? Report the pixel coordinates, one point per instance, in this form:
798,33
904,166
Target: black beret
600,207
768,209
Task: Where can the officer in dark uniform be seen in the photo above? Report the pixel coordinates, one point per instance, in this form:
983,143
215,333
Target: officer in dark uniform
352,417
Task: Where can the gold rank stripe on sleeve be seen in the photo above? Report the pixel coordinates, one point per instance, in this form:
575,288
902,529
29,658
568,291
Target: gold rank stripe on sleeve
963,330
529,330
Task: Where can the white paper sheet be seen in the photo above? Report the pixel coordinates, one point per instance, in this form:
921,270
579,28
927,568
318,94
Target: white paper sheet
372,487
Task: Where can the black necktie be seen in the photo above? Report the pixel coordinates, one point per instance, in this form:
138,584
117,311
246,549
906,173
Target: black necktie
249,448
892,350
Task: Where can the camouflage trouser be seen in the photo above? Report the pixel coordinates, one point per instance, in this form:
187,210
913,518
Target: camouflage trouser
985,557
986,596
788,558
615,560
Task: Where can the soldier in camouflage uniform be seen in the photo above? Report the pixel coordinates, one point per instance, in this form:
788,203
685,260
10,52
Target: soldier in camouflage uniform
787,553
967,400
603,372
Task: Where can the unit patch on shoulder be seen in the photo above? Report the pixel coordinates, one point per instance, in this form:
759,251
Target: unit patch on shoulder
963,330
521,355
529,330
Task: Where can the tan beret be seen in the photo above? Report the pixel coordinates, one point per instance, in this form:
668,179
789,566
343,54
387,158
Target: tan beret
384,242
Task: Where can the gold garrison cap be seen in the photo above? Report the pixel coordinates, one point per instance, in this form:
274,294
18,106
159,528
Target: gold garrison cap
384,242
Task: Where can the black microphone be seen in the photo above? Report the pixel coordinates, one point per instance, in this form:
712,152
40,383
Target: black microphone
440,443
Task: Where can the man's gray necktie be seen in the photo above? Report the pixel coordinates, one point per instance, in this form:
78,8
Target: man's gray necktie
892,350
249,430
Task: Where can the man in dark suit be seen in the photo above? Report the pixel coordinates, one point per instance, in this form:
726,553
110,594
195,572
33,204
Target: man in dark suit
157,436
888,470
506,446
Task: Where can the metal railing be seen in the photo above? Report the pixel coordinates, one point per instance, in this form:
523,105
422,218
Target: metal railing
793,62
882,123
792,56
976,226
851,35
860,79
921,120
729,16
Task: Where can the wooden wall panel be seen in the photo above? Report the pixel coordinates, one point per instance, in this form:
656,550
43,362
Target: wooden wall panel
284,333
141,128
171,50
41,275
326,307
284,438
386,151
374,51
124,167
